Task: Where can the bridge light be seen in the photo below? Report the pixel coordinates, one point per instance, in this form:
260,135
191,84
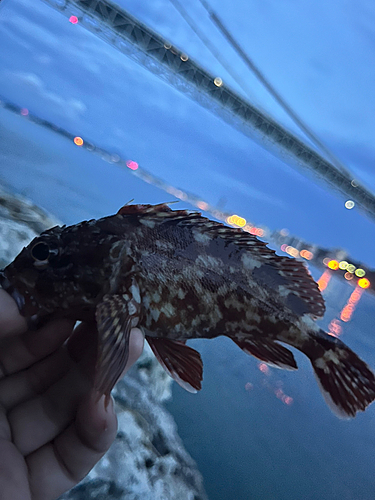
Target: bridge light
333,264
364,283
133,165
349,204
78,141
236,220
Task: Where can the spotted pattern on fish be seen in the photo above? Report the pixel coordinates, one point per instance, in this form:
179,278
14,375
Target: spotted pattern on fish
177,275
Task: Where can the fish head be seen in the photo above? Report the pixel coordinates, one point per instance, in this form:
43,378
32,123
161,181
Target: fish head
65,270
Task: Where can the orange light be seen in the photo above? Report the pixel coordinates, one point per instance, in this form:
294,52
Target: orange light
364,283
306,254
78,141
324,280
347,312
333,264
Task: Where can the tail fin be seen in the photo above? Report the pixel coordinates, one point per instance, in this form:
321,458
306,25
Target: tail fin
346,382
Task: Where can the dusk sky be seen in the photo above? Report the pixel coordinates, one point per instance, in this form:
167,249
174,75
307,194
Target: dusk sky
318,55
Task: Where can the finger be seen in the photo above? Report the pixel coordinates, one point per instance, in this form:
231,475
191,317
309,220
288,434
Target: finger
14,482
136,343
84,335
39,420
30,383
23,351
11,321
58,466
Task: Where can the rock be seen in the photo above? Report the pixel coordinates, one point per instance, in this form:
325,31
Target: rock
20,222
147,461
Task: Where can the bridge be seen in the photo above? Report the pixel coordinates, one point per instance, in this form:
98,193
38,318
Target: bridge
137,41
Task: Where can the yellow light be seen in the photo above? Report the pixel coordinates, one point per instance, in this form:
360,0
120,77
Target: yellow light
364,283
343,265
333,264
218,82
292,251
360,272
349,204
78,141
236,220
350,268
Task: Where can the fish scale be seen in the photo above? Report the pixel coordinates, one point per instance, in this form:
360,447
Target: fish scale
177,275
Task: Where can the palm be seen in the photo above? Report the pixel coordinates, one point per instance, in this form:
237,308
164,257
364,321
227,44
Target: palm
52,428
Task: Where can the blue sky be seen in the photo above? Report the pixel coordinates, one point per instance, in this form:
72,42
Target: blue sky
319,55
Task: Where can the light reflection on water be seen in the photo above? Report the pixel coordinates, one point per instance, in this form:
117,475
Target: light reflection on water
251,441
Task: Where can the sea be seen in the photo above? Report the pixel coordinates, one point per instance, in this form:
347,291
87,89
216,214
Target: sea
256,433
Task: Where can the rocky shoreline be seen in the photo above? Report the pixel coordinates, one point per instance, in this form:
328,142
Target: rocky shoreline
147,461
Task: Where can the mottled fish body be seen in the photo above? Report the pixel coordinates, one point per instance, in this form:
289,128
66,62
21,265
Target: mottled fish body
177,275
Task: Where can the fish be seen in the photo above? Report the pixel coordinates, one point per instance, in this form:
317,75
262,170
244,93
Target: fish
177,275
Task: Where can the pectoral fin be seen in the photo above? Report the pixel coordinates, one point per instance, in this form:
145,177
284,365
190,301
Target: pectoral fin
115,317
180,361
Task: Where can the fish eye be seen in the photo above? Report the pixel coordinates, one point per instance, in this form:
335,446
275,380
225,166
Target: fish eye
40,251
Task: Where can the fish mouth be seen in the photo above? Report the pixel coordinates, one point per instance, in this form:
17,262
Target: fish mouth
13,292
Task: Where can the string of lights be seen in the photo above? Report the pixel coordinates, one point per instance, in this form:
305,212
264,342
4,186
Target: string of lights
125,33
212,48
355,273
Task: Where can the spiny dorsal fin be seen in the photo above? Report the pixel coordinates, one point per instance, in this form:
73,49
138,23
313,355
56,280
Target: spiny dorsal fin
297,276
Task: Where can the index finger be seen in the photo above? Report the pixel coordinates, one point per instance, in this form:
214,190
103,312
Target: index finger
11,321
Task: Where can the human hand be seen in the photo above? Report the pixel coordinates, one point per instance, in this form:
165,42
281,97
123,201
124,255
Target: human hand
53,429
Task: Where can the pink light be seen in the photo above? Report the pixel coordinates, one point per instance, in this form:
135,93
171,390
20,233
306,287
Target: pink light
287,400
133,165
73,19
264,368
24,111
279,393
